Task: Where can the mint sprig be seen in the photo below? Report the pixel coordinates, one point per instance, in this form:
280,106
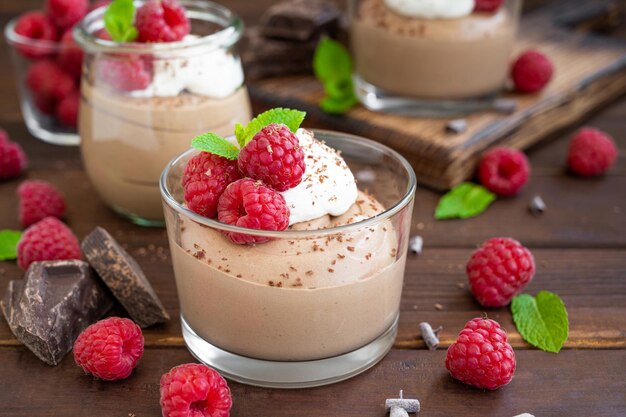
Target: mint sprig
215,144
542,320
291,118
8,244
332,66
118,21
464,201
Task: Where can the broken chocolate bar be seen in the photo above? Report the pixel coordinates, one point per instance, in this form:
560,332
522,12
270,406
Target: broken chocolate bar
124,277
300,20
54,303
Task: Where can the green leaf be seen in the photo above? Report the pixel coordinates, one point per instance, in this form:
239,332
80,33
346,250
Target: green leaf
291,118
118,20
215,144
240,133
332,65
8,244
542,320
463,201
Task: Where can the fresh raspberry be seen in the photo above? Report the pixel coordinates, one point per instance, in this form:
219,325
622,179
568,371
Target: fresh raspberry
503,171
499,270
249,203
273,156
161,21
123,74
36,25
488,6
66,13
67,110
47,240
204,180
38,200
481,356
531,71
49,82
194,390
70,55
591,152
109,349
12,158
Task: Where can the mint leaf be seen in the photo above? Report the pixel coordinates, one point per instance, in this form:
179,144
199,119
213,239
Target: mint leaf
240,133
291,118
542,320
215,144
8,244
332,66
463,201
118,21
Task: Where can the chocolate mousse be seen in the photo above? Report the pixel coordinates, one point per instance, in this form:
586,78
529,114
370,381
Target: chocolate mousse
432,55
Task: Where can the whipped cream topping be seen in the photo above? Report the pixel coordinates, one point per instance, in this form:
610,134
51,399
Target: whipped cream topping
215,74
432,9
327,187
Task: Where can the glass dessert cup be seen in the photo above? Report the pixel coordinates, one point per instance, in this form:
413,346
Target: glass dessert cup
39,115
309,307
131,126
431,66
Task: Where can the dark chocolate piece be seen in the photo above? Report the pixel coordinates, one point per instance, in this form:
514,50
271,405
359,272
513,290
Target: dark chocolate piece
537,206
54,303
300,20
456,126
124,277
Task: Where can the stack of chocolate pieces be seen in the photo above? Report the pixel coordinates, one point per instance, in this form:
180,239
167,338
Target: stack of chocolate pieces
57,300
285,40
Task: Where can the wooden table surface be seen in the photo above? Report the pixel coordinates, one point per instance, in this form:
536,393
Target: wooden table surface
579,245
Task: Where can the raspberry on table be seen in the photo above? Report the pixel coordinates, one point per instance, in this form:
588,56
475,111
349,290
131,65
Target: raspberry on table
47,240
194,390
499,270
273,156
67,110
66,13
249,203
481,356
591,152
38,200
36,25
70,55
205,178
49,82
110,348
12,158
503,171
123,74
531,71
488,6
161,21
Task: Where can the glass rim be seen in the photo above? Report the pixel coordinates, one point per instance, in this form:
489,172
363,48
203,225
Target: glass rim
204,10
402,202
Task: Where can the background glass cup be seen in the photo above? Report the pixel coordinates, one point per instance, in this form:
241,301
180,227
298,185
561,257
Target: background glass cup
144,103
306,308
431,66
39,112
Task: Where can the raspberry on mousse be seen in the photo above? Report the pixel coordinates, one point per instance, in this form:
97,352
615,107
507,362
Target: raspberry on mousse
161,21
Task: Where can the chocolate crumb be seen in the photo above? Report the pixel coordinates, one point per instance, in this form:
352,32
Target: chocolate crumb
309,272
331,270
350,248
438,307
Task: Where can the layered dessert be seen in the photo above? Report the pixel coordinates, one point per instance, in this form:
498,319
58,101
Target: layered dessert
138,110
326,282
450,49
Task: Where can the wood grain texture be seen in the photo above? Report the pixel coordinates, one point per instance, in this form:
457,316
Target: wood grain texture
590,72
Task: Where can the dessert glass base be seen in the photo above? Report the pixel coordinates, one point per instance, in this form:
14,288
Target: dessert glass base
296,374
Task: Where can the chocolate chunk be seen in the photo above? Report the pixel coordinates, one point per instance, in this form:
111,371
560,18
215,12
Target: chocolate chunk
300,20
121,273
54,303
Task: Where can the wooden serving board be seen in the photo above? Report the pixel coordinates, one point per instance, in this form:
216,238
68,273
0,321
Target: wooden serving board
590,72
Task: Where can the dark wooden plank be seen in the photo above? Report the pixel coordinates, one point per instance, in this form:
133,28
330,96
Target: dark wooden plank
583,382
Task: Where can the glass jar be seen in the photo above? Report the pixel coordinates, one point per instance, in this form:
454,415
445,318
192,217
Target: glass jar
47,74
309,307
143,103
445,64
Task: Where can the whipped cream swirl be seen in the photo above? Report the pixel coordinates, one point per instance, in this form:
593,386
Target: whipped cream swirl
432,9
327,187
